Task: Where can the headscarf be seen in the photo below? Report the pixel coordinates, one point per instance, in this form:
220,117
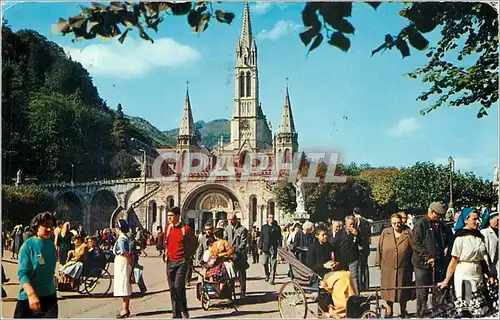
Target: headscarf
459,227
466,212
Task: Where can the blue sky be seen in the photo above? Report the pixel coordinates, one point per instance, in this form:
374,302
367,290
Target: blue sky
362,106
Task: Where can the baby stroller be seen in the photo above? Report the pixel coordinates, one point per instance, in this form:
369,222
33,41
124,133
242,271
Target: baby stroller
206,291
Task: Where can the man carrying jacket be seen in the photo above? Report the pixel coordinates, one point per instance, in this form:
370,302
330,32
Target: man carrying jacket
269,242
429,240
237,236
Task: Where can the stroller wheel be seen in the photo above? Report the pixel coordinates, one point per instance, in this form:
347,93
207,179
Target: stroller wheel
199,290
369,315
205,300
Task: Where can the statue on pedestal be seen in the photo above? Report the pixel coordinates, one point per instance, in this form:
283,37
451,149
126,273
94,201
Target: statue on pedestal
19,179
300,194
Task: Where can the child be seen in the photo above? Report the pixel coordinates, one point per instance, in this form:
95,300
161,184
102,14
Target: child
220,267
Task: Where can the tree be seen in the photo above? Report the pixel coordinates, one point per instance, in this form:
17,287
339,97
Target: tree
119,132
471,26
21,204
124,165
420,185
383,187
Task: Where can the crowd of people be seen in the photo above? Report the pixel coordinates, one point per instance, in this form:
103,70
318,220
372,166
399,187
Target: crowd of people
462,253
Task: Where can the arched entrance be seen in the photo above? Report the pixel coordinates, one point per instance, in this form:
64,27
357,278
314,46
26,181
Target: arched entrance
102,207
210,203
69,207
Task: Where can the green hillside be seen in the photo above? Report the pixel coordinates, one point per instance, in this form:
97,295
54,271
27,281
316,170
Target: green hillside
210,132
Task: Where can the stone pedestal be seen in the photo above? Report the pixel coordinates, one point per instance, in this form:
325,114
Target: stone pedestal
301,216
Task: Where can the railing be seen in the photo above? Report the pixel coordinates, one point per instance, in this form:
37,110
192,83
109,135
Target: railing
89,183
145,197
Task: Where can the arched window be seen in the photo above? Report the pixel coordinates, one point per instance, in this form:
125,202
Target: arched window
154,214
172,203
253,208
271,208
242,84
286,156
249,84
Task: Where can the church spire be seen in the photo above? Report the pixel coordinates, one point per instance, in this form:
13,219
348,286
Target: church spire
186,130
287,124
246,28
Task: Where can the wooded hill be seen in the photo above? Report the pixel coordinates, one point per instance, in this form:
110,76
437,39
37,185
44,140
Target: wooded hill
53,118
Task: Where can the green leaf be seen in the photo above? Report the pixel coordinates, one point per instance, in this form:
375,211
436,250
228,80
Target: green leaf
144,35
403,47
339,40
417,40
307,36
194,18
374,4
124,35
309,16
423,23
343,26
180,8
224,17
316,43
343,9
98,6
334,14
383,46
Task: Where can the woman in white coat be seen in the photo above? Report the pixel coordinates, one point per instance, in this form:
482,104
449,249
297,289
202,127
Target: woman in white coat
123,268
491,240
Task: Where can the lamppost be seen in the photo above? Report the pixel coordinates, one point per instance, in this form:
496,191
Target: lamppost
452,167
144,168
72,173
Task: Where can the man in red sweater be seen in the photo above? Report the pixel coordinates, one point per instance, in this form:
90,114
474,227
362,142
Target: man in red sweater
180,246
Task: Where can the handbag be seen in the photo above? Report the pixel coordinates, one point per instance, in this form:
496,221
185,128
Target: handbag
137,273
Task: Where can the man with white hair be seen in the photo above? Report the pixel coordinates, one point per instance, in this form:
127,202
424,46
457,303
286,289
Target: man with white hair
237,236
346,244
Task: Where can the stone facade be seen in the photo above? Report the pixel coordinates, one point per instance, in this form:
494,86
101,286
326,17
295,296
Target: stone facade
251,133
246,191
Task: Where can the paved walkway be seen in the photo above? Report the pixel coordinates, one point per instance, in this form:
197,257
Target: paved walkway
261,300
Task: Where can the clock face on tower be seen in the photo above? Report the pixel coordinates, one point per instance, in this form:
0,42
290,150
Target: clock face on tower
245,125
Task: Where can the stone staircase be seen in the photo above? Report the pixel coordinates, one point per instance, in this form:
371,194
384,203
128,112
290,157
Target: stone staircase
151,190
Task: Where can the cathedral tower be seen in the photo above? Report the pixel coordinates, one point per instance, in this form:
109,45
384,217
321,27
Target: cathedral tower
249,128
286,141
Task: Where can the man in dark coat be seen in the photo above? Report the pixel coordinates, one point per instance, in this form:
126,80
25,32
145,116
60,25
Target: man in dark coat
363,226
269,242
237,236
429,239
346,247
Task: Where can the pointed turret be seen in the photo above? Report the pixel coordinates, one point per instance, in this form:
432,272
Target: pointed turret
187,134
287,124
286,141
246,28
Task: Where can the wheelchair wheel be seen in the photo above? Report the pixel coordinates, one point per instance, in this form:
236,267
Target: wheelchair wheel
237,288
98,283
80,285
292,301
370,314
205,300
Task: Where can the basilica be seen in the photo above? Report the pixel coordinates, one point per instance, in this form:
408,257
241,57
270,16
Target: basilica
202,199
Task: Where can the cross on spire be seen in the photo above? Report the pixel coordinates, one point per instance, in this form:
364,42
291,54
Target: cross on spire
187,84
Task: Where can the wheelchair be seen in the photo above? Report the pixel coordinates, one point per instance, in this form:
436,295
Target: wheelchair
95,279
